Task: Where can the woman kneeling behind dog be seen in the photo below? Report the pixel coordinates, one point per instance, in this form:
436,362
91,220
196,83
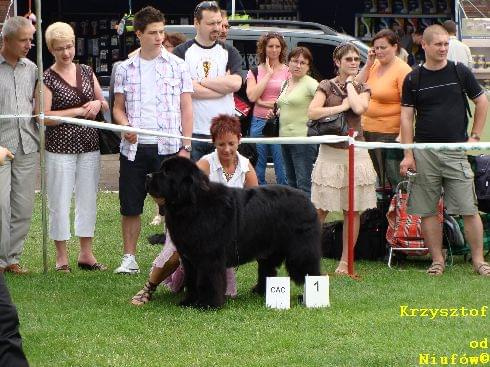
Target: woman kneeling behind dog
225,165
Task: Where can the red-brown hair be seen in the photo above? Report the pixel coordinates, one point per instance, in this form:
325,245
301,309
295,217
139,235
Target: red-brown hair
223,124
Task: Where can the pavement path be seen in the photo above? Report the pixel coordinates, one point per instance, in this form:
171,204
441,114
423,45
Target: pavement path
109,173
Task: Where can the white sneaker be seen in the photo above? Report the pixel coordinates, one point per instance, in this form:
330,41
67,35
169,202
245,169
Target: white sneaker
128,265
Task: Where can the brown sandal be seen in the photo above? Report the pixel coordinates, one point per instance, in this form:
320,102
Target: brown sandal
144,295
483,269
63,268
342,268
436,269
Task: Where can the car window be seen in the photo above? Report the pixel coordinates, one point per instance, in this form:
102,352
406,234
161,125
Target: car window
248,52
323,67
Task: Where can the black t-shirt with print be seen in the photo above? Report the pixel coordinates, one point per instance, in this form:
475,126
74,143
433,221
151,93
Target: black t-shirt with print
441,115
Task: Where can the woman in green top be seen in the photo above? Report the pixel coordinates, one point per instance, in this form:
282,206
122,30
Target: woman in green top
293,104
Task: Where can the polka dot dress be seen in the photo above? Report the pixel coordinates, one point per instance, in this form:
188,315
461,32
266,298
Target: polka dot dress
67,138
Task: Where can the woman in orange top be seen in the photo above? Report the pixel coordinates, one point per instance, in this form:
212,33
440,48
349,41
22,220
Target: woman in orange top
384,72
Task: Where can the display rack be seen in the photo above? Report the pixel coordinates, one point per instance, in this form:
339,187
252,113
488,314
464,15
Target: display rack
97,43
368,24
475,34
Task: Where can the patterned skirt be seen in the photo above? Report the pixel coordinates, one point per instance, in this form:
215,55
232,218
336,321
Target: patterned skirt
330,180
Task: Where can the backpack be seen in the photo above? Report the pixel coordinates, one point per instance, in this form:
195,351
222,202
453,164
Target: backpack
458,73
243,106
481,167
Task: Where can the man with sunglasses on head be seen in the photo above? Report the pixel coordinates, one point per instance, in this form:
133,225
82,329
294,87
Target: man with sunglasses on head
215,70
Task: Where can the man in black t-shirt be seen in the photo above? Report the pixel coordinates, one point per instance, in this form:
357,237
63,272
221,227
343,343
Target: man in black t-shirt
435,92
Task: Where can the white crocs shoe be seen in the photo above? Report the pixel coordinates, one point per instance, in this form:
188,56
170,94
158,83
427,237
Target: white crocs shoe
128,265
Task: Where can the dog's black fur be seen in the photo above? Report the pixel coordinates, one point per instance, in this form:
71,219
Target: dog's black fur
214,227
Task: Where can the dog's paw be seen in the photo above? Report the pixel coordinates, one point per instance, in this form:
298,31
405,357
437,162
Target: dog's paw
188,302
157,239
259,289
157,220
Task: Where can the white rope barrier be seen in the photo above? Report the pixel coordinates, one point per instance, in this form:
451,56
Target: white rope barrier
7,117
128,129
278,140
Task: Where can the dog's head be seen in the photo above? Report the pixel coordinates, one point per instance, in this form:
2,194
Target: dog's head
178,181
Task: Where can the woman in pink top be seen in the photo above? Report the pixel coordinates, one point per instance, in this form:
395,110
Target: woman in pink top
384,72
271,73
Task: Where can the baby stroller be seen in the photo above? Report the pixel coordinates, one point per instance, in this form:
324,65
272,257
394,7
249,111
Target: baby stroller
404,233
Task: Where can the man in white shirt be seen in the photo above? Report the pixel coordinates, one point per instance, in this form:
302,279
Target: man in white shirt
152,91
458,51
215,70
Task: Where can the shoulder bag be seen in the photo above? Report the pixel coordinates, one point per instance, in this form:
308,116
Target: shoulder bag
330,125
271,127
109,141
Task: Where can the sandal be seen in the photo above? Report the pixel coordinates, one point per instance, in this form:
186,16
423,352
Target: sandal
342,268
144,295
95,266
436,269
63,268
483,269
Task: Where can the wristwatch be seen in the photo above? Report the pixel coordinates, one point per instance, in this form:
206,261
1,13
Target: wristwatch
187,148
475,136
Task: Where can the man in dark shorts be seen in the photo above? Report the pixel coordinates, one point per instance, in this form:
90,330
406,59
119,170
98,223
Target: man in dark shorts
435,92
152,91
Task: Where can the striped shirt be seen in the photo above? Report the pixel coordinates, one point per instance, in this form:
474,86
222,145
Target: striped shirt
172,78
17,98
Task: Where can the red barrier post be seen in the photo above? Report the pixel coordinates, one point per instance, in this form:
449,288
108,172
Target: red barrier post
350,219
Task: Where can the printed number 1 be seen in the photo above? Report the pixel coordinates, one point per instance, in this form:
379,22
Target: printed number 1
317,287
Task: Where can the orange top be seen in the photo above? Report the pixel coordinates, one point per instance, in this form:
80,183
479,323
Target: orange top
383,113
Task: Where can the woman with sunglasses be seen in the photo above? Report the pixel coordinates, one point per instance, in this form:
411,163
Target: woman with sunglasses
329,191
264,90
384,72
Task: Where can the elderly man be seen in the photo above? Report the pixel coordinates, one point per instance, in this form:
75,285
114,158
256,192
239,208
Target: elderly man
20,136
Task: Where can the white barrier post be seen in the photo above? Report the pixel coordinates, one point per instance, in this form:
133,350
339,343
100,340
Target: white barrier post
42,151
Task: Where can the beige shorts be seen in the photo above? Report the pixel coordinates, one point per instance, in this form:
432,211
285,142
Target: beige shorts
437,170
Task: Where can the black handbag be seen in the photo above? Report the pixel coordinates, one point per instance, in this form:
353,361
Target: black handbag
109,141
271,127
330,125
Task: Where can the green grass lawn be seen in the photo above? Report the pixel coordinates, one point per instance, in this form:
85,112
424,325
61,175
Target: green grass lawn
85,319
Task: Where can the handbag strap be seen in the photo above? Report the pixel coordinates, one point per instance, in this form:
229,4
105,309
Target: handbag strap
283,87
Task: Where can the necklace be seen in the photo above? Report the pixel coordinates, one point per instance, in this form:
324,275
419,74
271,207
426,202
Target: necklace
229,175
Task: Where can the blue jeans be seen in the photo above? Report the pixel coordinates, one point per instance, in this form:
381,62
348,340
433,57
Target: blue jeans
200,148
263,150
298,161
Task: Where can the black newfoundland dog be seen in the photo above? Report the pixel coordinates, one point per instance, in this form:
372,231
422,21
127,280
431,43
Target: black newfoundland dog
214,227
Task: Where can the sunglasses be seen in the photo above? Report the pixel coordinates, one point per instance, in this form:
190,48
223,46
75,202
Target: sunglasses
350,59
205,5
